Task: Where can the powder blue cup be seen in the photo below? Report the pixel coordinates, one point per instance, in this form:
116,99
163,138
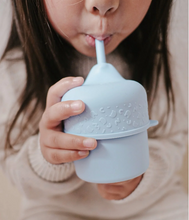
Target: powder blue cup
116,115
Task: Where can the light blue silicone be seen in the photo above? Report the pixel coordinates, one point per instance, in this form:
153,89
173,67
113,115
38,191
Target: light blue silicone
116,114
115,160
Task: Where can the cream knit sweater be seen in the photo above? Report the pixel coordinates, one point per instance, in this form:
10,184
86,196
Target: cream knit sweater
55,192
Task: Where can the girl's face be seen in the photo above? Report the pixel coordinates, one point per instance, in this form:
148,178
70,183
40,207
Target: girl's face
81,21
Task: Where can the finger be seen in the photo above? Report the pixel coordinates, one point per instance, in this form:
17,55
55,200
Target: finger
112,197
55,156
61,111
126,182
111,189
108,196
60,140
60,88
118,183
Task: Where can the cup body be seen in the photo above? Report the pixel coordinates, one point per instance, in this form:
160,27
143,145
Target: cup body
115,160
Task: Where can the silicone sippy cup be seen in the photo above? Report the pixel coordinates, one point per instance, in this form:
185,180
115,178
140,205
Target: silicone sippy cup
116,115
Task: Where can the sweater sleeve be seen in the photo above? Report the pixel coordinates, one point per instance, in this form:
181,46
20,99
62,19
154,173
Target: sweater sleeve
25,163
47,171
168,145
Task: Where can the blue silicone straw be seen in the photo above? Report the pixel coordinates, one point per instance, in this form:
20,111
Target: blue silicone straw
100,52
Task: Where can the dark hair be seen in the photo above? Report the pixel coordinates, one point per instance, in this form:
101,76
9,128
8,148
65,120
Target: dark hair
145,50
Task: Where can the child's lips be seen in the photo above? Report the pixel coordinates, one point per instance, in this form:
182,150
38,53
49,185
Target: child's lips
91,39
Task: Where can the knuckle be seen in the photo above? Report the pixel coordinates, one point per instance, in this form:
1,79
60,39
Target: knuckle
46,116
76,142
73,156
51,89
64,108
54,140
67,81
55,158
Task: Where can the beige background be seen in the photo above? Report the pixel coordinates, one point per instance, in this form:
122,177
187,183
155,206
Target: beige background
10,199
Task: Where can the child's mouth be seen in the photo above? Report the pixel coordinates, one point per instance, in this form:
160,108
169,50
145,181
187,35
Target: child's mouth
91,39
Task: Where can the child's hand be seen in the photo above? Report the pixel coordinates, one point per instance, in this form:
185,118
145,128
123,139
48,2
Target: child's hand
118,191
56,146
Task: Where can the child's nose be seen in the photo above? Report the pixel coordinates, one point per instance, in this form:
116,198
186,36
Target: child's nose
102,7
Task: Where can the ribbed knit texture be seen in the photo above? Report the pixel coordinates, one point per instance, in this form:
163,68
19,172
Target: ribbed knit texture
47,171
55,192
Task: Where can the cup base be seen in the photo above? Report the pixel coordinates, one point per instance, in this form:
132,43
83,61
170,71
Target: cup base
111,181
115,160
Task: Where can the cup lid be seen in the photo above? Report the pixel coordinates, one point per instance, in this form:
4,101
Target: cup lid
115,107
118,134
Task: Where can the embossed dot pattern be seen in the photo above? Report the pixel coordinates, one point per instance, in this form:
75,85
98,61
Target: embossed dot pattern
109,119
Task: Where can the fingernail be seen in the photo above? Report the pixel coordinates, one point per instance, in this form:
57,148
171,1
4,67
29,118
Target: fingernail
76,105
89,143
83,152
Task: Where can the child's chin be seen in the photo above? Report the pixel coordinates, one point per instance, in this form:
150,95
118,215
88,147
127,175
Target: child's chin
88,53
91,52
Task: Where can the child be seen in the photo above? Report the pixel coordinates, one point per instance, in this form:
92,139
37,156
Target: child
51,50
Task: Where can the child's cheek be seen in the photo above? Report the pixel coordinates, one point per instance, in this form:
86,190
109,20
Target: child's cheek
63,16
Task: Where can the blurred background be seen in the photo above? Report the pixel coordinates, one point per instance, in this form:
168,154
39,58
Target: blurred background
10,199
